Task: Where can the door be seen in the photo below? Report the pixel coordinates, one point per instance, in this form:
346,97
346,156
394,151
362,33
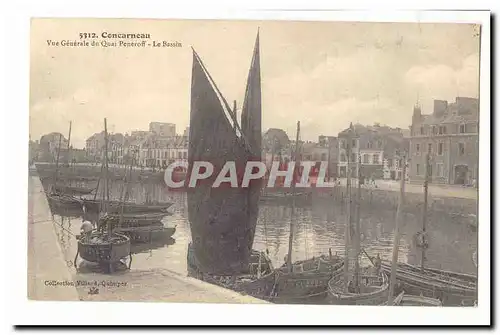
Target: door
461,174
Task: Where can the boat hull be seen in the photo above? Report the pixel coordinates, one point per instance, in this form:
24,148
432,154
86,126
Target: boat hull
249,282
453,289
116,207
64,202
106,252
308,281
373,295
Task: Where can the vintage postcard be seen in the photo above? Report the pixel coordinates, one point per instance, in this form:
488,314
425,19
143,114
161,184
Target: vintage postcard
254,162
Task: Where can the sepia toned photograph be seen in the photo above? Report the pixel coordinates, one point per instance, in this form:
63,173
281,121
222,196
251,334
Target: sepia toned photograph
254,162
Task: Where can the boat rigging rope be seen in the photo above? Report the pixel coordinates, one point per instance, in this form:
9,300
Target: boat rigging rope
57,223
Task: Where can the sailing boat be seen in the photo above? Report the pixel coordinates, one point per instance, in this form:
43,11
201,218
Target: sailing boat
68,189
368,287
146,212
103,245
305,280
57,200
451,288
223,220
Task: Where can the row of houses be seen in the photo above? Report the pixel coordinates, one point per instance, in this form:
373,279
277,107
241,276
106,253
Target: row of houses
450,135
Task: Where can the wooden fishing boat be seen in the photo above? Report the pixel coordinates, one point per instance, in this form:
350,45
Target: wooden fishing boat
374,290
130,220
73,190
105,249
64,201
144,234
308,280
223,220
258,280
451,288
94,205
414,300
103,245
404,299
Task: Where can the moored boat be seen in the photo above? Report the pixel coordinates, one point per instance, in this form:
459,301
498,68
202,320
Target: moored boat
73,190
451,288
64,201
257,280
414,300
308,280
223,220
102,248
94,205
143,234
373,290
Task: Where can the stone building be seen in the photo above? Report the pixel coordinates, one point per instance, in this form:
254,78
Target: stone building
48,147
331,144
162,129
376,149
160,151
451,136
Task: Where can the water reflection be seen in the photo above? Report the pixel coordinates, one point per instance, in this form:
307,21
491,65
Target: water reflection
317,228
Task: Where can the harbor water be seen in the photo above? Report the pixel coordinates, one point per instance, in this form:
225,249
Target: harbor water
317,228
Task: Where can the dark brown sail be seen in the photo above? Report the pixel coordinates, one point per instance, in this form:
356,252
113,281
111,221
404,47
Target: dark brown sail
221,229
252,130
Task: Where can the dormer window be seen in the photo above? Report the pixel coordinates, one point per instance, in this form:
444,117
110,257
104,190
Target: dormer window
422,131
442,130
434,130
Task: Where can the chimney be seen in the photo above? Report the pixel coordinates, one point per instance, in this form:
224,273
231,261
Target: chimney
440,107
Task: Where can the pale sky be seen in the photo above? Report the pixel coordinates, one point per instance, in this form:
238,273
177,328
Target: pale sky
324,74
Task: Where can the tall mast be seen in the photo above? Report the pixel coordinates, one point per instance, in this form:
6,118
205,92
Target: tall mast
106,182
357,242
57,160
395,247
424,214
347,230
290,238
69,141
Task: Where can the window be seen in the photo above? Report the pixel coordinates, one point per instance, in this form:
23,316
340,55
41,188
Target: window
389,162
417,148
342,157
379,144
440,170
434,130
353,158
461,149
342,144
462,128
179,155
365,159
418,169
323,157
440,148
422,131
375,159
354,143
369,145
429,148
429,171
442,130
